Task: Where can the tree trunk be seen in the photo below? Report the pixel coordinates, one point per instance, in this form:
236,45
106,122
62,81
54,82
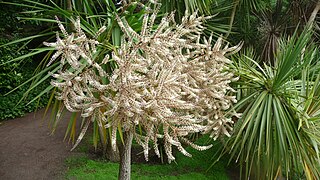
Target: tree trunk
69,8
313,14
108,152
113,156
125,156
69,5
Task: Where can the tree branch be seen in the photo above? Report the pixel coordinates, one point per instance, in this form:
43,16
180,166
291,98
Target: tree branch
313,15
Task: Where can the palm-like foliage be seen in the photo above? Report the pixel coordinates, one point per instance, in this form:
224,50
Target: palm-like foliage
273,137
217,25
204,7
271,27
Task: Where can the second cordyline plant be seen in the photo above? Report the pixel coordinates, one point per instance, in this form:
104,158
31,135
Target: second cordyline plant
169,83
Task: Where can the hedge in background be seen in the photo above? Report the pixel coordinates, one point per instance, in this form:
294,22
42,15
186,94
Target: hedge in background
13,74
10,109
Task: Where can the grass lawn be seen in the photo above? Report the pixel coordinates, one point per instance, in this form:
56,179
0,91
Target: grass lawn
184,167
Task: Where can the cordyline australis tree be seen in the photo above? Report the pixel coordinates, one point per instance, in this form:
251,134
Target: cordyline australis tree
168,84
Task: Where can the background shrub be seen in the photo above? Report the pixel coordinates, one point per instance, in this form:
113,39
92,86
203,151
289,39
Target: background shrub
9,106
12,74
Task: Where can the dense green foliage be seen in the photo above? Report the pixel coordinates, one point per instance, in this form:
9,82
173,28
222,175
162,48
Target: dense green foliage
15,73
274,130
11,74
16,104
9,107
9,23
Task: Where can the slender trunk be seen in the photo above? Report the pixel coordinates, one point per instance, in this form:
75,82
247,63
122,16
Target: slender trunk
69,5
113,156
313,14
69,8
125,156
107,151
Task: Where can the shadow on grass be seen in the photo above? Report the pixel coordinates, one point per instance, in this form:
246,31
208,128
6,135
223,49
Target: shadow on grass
195,167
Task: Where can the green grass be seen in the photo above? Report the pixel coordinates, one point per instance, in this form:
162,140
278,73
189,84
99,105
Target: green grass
184,168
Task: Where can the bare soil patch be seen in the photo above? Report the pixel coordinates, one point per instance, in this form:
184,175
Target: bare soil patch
28,150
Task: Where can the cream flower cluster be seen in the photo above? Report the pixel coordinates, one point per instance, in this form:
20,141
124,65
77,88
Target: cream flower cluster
168,84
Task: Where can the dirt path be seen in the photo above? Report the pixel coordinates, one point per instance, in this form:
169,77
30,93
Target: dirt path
28,151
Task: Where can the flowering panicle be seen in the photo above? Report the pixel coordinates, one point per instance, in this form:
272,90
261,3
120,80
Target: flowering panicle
168,82
77,83
177,86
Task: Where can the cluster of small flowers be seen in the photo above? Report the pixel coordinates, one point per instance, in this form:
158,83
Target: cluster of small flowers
77,79
168,82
